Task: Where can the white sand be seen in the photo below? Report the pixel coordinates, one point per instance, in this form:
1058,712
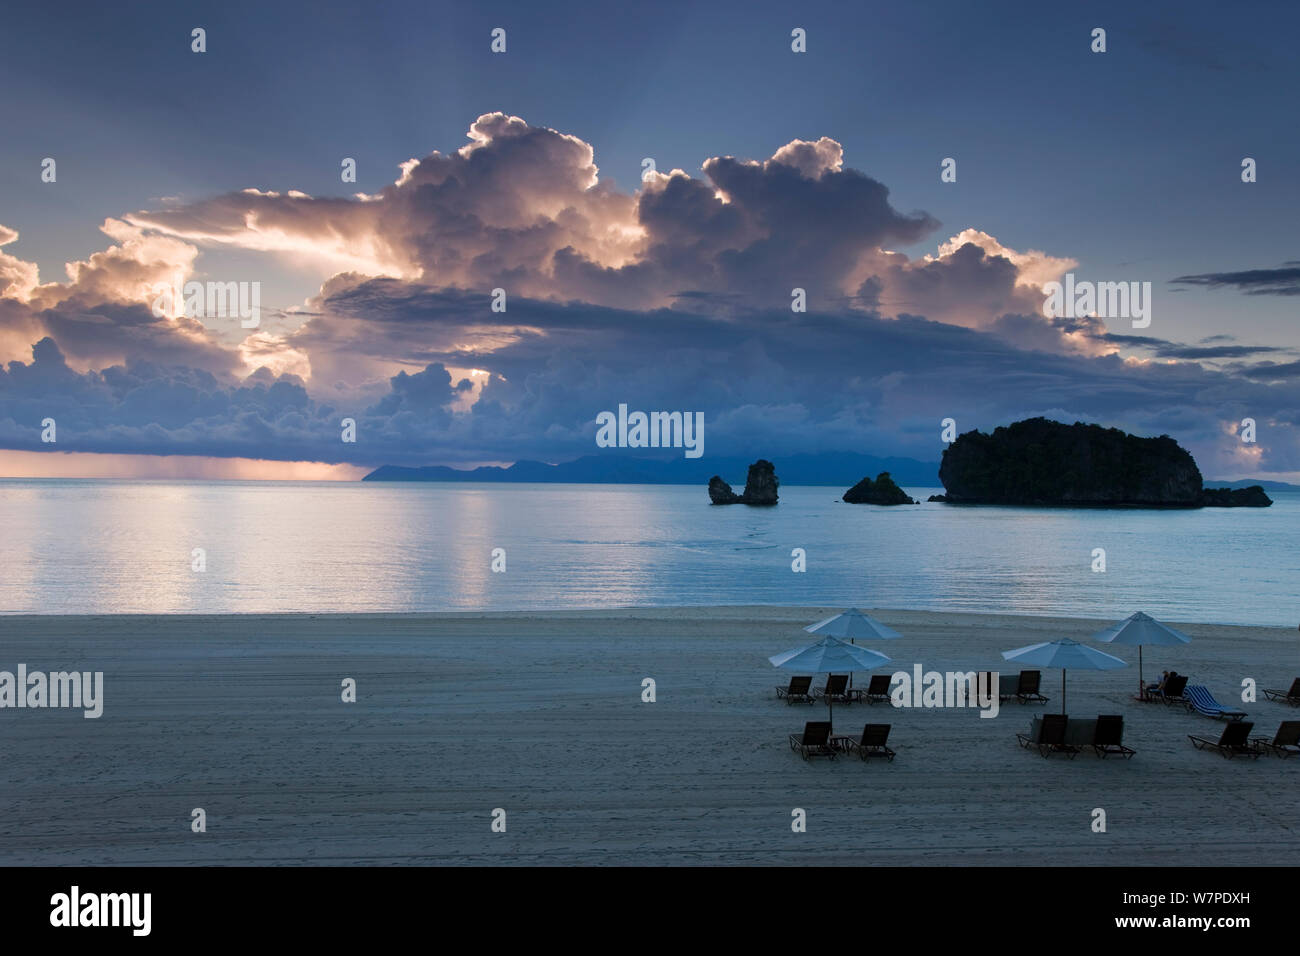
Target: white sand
541,714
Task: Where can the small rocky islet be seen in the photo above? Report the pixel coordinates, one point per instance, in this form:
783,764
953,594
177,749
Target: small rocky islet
882,491
760,487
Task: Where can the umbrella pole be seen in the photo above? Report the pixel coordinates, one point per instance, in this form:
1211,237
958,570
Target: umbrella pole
1142,685
1063,690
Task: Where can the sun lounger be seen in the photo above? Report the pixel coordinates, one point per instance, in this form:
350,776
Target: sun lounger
1079,731
1291,696
1050,736
872,743
815,741
1027,687
878,689
1172,692
837,689
1202,701
799,691
1235,741
1007,684
1284,744
1109,735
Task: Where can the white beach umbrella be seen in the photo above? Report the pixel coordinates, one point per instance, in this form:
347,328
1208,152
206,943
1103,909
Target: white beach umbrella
1067,655
830,655
853,624
1140,629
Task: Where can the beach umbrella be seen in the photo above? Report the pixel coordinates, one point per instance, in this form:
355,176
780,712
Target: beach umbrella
830,655
1067,655
1140,629
853,624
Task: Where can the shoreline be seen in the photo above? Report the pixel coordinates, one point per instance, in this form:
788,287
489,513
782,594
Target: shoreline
617,612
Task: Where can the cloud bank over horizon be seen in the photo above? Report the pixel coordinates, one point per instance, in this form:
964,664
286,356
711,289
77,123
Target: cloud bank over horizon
673,297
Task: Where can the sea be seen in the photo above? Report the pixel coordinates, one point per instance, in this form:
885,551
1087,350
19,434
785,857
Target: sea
164,547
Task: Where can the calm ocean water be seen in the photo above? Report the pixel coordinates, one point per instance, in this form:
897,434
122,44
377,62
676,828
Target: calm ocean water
125,546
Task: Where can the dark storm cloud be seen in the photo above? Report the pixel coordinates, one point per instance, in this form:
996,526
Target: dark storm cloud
1269,370
769,382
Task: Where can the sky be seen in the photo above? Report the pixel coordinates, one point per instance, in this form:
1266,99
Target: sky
671,289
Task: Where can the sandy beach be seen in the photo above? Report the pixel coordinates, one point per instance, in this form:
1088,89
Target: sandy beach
541,714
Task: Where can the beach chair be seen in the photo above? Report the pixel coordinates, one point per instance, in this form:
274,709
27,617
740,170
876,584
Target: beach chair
1285,743
799,691
1291,696
1051,737
837,689
1027,689
1172,693
878,689
1007,685
872,743
1202,701
1235,741
815,741
1109,735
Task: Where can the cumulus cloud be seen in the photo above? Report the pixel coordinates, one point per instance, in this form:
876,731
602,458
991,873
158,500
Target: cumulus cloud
17,278
675,296
523,208
102,315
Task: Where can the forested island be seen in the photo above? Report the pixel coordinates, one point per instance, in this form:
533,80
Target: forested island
1043,462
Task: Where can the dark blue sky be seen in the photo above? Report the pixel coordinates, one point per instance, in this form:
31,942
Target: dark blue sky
1126,162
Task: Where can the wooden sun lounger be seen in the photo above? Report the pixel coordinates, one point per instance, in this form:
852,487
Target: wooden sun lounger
1235,741
872,743
837,689
815,741
1006,685
1051,737
1109,735
878,689
799,691
1285,743
1027,689
1172,692
1291,696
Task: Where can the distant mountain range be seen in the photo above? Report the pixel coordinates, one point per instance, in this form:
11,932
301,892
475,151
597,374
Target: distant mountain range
1248,482
839,470
833,469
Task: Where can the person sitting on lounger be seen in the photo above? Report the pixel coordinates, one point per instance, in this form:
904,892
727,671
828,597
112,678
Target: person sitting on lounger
1159,685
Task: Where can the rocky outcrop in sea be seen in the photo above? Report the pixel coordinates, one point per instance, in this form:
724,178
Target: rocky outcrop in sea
883,491
760,487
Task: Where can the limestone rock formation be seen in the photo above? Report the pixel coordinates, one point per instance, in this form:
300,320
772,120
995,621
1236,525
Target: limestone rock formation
1042,462
760,487
883,491
720,492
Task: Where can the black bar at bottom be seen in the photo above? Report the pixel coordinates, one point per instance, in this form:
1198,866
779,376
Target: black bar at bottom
335,905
